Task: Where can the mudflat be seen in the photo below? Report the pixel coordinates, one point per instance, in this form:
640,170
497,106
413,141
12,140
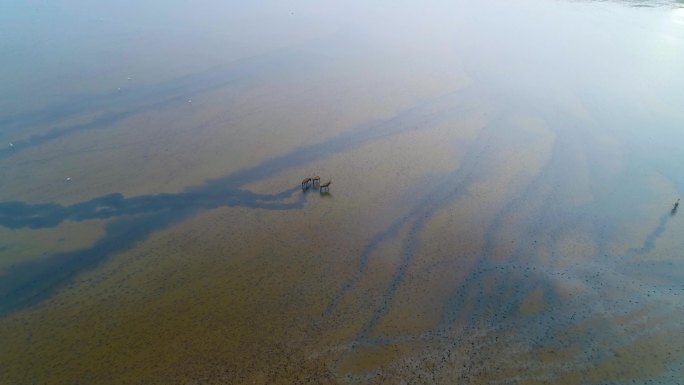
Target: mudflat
501,208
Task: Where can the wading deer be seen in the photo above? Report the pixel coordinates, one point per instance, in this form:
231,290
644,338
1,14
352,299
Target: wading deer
326,185
315,180
305,183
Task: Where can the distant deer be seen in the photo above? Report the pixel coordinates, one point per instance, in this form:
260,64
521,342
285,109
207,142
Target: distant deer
316,179
326,185
305,183
675,207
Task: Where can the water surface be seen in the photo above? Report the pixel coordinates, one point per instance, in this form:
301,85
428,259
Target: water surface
501,208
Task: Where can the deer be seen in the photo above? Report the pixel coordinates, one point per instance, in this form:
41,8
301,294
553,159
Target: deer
305,183
675,207
325,185
316,179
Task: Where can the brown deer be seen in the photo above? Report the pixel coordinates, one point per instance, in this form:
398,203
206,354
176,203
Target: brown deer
316,179
326,185
305,183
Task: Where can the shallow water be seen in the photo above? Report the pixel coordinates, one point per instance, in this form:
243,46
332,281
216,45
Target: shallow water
501,208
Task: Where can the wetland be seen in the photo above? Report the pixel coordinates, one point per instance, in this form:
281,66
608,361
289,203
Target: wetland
501,212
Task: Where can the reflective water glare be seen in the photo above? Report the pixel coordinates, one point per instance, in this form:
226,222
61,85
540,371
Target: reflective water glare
502,207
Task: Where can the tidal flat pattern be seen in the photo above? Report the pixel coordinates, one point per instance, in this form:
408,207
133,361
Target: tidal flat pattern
486,223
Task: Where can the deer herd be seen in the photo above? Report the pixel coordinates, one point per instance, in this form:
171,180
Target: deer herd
316,180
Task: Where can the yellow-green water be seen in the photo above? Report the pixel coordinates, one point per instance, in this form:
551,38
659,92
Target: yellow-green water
500,212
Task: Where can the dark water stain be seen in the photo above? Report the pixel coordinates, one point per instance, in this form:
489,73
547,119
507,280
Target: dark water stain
446,193
27,283
32,281
16,215
215,192
370,247
443,195
424,115
452,186
112,107
512,280
517,288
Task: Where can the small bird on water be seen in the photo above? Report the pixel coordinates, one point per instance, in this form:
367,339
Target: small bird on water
11,145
